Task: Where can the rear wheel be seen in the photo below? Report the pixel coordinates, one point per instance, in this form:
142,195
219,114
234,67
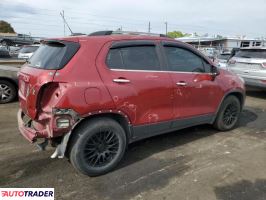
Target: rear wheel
97,146
8,91
228,114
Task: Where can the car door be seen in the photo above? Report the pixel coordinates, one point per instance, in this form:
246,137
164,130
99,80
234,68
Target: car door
133,75
196,91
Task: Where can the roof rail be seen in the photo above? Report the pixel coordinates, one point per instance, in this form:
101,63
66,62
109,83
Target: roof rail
102,33
99,33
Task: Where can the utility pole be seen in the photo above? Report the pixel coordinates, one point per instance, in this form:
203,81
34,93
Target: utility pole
149,29
63,13
166,26
65,22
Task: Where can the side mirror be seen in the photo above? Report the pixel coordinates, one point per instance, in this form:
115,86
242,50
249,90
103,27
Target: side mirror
214,72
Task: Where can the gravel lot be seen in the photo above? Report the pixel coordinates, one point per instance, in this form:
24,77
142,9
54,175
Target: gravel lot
195,163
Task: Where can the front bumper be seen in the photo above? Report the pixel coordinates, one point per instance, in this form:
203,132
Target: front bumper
27,130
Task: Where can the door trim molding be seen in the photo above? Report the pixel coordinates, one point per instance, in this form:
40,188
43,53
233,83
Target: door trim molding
148,130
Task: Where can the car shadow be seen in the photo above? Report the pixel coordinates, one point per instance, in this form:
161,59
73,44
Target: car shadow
244,190
257,93
145,148
141,165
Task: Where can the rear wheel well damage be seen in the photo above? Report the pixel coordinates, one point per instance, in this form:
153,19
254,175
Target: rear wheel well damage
125,124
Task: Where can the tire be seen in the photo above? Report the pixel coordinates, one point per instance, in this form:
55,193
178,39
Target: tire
228,115
7,43
97,146
4,43
8,91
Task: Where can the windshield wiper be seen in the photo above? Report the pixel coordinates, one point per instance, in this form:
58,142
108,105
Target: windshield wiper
245,56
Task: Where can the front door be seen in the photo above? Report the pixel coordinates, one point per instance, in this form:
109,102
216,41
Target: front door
196,91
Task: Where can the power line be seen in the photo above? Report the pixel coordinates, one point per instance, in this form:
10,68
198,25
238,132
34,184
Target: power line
65,22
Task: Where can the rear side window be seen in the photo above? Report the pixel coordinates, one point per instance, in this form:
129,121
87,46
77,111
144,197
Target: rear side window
133,58
182,60
28,49
53,55
251,53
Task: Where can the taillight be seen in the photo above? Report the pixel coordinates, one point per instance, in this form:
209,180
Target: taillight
264,65
232,61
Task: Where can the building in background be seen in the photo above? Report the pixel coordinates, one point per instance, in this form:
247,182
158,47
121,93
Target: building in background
222,44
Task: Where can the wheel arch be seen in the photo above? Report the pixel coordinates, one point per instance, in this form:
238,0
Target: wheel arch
240,95
118,117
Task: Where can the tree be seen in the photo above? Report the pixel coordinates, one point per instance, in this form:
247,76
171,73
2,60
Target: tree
5,27
176,34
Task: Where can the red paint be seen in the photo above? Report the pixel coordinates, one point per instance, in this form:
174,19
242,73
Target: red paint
86,86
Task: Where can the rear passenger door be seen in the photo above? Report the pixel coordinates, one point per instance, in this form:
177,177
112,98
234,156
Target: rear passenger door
132,71
196,92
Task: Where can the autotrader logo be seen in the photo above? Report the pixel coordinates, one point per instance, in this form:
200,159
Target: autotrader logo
27,193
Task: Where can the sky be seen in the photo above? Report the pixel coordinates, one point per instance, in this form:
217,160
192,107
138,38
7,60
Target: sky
41,18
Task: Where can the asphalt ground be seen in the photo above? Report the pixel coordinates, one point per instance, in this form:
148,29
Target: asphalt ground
197,163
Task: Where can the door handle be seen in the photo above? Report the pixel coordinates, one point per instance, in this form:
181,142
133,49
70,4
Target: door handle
120,80
181,83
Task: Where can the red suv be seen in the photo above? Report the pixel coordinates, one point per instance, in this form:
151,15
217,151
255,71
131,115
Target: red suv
90,96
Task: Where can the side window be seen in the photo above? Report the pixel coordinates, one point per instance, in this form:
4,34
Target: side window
114,59
183,60
134,58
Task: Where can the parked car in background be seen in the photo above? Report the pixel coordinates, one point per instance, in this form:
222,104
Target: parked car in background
92,96
8,84
250,64
210,52
14,51
4,53
222,59
17,39
27,51
233,52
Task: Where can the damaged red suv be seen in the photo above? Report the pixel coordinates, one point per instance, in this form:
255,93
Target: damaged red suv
90,96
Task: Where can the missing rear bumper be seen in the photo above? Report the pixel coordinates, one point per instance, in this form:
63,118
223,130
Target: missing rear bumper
61,148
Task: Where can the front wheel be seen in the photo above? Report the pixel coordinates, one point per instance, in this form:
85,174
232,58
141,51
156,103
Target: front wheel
97,146
228,114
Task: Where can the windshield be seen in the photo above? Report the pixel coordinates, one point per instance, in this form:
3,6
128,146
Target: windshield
251,53
224,56
53,55
29,49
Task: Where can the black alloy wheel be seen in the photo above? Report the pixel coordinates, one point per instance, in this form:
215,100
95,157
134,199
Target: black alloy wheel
97,146
228,115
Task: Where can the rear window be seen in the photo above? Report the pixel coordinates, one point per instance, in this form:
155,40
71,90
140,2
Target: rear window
53,54
29,49
251,53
